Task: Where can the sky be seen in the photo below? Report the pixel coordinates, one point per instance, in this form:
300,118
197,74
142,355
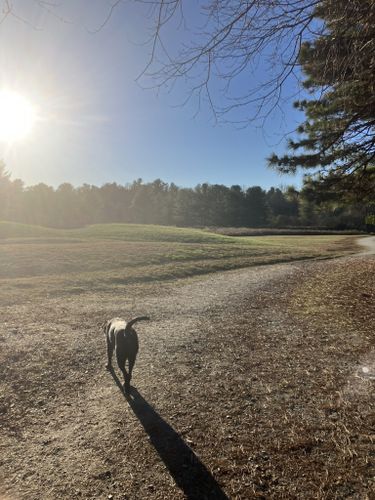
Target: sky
96,123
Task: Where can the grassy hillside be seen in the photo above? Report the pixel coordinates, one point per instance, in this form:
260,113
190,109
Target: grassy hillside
17,230
111,257
149,232
125,232
141,232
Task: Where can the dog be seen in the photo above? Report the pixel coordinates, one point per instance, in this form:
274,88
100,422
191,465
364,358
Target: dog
122,338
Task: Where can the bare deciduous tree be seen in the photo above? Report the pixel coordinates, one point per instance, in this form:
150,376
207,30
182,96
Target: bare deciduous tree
252,45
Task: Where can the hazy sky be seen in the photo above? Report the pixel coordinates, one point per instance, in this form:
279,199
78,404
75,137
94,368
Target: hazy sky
97,125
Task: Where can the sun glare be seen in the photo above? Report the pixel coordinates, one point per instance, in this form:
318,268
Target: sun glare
17,116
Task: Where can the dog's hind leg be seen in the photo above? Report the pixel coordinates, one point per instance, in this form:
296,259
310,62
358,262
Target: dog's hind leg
121,360
131,366
110,347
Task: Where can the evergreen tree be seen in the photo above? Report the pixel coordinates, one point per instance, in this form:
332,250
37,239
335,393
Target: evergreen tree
5,183
338,135
256,207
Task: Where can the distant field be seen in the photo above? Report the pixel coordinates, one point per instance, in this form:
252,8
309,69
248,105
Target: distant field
248,231
107,257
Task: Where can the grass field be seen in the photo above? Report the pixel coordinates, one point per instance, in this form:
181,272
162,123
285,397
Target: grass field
112,256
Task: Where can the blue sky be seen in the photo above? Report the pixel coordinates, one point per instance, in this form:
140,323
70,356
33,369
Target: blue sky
98,125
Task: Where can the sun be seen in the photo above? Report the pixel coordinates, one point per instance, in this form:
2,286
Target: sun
17,116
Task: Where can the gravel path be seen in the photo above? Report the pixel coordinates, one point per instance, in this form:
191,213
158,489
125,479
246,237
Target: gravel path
369,244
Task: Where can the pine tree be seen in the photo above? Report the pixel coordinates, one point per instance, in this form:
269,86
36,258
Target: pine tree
338,135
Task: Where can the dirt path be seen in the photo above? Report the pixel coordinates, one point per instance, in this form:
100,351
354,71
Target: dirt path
369,244
228,398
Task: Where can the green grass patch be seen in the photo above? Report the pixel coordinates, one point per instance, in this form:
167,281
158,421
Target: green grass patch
143,232
123,232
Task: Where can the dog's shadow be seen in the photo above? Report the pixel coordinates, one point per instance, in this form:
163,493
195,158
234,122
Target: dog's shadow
189,473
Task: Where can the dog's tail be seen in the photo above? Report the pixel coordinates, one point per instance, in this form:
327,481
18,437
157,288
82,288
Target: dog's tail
130,323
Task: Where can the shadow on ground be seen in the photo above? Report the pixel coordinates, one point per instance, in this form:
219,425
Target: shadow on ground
189,473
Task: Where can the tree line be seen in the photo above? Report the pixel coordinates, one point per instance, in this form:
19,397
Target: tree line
158,202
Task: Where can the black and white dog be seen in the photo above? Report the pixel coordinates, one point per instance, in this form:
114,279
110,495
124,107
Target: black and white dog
123,338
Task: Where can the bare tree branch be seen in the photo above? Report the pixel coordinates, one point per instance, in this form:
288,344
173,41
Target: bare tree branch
227,48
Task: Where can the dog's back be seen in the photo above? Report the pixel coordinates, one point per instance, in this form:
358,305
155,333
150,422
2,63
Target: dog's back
113,327
118,330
